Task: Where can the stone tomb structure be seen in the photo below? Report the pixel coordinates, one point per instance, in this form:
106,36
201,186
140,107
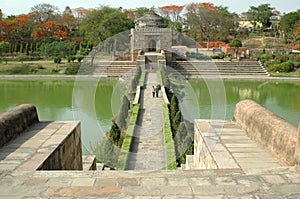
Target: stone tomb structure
150,34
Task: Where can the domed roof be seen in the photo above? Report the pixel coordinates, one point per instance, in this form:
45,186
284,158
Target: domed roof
151,19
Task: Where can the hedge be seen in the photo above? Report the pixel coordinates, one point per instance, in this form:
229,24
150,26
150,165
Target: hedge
121,165
169,142
142,79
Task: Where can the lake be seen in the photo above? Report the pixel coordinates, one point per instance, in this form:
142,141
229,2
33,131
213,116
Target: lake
95,102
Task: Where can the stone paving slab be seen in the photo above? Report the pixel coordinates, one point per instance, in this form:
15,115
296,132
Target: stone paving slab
270,183
29,150
149,151
230,146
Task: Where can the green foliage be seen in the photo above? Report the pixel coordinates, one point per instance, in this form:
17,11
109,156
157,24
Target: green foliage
174,107
218,56
123,114
108,149
80,58
57,60
266,57
57,49
142,79
114,134
128,137
176,122
72,69
184,141
261,14
22,58
169,143
236,43
282,67
103,23
136,78
3,47
289,23
196,55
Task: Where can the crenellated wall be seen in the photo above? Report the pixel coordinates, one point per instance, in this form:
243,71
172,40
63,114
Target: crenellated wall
275,133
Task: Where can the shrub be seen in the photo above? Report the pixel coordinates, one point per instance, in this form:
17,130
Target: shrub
218,56
57,60
282,67
72,70
80,58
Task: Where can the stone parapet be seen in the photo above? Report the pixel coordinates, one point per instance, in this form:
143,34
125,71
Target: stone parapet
28,144
209,149
16,121
275,133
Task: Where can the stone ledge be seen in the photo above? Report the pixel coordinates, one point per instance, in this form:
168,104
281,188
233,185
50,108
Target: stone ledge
265,127
45,146
16,121
210,153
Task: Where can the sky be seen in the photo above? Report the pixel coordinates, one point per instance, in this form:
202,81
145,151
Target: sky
16,7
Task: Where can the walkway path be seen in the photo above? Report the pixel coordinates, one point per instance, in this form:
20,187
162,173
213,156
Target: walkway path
148,151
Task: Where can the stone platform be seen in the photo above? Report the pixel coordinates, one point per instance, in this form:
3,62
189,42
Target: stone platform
211,184
222,144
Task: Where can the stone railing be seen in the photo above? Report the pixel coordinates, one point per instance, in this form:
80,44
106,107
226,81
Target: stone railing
16,121
275,133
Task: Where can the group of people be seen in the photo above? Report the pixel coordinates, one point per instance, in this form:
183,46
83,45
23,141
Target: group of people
155,90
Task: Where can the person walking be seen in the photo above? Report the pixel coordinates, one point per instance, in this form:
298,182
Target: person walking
153,91
156,90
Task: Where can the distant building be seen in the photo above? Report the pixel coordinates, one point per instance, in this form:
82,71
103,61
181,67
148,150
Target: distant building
150,34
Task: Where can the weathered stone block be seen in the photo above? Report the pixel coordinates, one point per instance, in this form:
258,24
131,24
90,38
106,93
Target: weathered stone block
267,128
16,121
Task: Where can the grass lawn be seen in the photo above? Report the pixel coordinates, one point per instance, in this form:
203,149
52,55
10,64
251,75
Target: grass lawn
41,67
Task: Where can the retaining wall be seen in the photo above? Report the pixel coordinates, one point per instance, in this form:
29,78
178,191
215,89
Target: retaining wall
270,130
16,121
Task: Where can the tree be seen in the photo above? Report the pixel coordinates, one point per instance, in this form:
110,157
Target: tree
261,14
135,14
68,19
236,43
172,13
229,24
3,47
98,25
59,49
202,20
18,30
42,13
289,24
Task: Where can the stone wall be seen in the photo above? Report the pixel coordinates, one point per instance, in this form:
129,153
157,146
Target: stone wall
16,121
68,154
203,157
275,133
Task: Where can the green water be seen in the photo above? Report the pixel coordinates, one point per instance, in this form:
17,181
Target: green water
282,98
95,102
64,100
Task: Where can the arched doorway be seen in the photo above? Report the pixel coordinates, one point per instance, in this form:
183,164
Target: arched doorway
152,45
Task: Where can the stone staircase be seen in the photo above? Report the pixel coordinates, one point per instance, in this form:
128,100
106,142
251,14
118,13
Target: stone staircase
115,68
196,69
